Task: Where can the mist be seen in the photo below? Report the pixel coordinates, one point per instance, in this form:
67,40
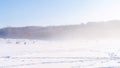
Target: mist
90,45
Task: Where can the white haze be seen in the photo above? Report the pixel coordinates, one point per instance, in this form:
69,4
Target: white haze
91,46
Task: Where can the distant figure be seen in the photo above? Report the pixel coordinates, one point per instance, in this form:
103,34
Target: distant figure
17,42
24,43
7,57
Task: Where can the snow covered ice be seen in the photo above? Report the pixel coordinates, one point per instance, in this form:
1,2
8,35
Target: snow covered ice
24,53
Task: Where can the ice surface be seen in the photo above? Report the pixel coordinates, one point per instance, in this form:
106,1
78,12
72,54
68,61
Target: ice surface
24,53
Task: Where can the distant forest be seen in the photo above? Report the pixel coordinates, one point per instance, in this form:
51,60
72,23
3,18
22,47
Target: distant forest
91,30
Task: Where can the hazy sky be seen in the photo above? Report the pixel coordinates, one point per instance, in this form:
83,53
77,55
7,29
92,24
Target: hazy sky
56,12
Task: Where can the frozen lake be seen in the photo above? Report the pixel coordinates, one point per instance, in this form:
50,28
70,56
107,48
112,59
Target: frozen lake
23,53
